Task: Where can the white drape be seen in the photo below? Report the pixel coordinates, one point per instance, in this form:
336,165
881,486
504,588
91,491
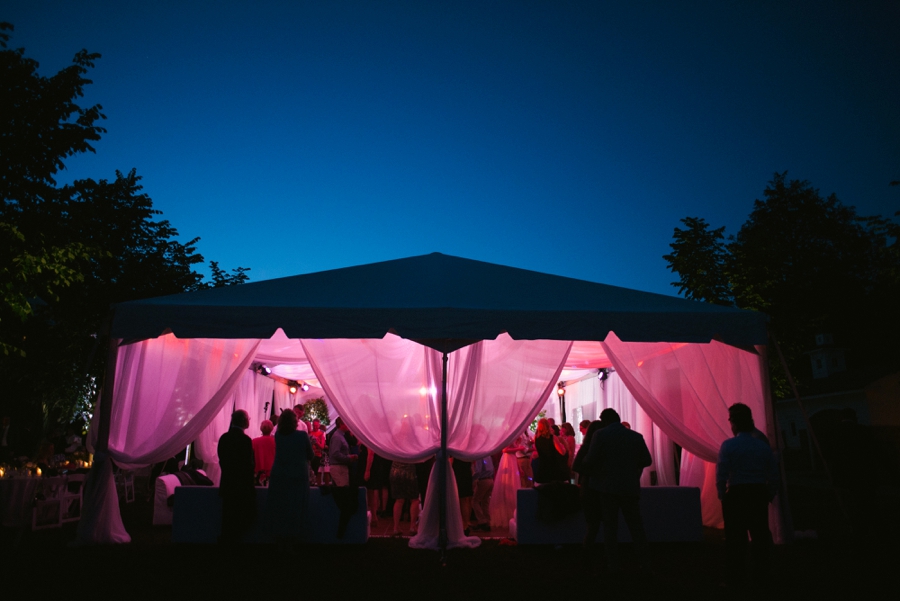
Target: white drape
167,391
686,390
389,392
251,395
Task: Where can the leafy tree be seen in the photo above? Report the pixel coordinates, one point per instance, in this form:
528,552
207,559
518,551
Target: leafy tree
813,265
76,248
54,266
222,278
699,257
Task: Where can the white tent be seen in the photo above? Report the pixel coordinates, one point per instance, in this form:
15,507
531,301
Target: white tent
384,339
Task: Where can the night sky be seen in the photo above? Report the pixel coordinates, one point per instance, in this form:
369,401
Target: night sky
562,137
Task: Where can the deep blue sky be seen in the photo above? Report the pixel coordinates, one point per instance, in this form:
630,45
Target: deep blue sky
562,137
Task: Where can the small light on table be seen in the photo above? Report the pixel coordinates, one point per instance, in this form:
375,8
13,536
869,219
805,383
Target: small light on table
38,472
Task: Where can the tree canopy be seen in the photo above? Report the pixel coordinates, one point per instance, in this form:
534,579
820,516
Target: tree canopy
813,265
76,249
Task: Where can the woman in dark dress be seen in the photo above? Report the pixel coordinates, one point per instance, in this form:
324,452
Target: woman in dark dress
288,496
404,487
377,478
551,451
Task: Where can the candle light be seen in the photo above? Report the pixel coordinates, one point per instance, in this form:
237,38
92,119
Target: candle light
38,472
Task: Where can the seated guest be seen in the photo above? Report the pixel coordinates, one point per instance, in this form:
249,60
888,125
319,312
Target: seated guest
264,451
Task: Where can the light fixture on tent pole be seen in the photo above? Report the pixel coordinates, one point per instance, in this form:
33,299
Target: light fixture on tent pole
561,391
304,386
292,386
262,370
603,374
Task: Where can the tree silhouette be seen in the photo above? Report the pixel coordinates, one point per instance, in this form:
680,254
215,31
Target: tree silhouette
76,248
813,264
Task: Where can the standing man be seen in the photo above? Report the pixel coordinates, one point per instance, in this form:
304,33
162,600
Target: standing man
339,456
301,425
747,479
615,460
236,488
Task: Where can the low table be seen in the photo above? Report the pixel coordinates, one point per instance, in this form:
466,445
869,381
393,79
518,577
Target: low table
197,517
670,514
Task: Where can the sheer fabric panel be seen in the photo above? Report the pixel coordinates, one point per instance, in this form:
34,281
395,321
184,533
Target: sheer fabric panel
686,390
168,390
251,395
388,391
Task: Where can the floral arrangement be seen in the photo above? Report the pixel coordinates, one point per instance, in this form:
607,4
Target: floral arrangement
316,409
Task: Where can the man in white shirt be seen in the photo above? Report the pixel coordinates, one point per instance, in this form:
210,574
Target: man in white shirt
301,425
339,456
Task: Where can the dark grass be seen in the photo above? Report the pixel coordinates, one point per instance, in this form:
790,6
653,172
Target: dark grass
45,562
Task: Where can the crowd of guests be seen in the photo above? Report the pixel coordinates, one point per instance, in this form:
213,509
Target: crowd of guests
287,459
607,469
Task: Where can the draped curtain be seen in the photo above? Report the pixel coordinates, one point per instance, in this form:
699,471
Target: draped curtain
167,391
388,392
251,395
686,390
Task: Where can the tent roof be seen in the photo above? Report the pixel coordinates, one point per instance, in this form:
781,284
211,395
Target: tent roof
435,297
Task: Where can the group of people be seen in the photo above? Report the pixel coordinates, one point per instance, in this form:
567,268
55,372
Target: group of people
607,467
284,461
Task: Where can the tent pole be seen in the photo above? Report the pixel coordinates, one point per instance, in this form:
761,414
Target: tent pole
783,509
442,537
106,390
812,433
96,500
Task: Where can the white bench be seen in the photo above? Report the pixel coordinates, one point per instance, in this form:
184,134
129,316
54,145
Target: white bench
670,514
197,517
163,489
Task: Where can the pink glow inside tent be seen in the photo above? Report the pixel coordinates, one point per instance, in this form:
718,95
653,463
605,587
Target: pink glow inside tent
375,337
